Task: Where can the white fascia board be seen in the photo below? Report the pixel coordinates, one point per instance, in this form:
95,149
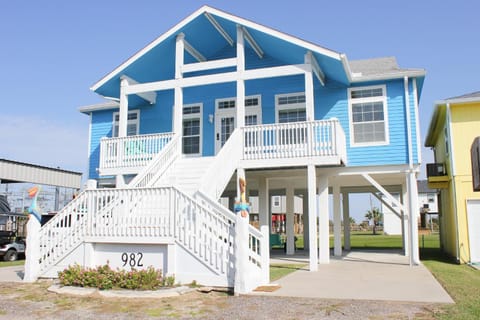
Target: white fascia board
193,52
218,78
235,19
99,106
219,28
208,65
151,96
388,76
459,100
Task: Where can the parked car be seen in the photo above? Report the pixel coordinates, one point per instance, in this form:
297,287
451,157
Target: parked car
11,247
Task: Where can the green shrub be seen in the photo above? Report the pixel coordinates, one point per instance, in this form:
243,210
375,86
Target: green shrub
103,277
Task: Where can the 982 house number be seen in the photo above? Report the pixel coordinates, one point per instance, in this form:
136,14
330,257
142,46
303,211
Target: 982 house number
132,259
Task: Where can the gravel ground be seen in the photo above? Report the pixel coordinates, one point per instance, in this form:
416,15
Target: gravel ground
33,301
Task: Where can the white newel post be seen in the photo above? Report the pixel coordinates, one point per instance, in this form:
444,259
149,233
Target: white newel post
312,217
241,245
32,250
405,218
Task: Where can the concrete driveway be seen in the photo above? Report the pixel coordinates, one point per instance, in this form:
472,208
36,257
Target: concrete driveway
364,275
11,274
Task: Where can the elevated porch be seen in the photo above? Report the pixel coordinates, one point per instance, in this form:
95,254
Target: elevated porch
320,142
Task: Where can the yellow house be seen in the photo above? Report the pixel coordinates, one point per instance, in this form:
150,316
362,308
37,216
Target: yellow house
454,126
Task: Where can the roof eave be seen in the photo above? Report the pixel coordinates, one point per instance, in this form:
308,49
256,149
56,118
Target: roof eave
389,76
99,107
429,141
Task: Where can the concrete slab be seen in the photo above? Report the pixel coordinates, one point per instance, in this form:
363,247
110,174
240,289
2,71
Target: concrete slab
363,276
11,274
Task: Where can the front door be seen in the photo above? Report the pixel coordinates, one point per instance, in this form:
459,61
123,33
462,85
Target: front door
225,121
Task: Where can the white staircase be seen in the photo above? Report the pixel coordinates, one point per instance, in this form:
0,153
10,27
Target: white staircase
186,174
174,199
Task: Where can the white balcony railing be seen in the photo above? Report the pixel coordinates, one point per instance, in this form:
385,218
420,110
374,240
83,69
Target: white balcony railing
293,140
131,151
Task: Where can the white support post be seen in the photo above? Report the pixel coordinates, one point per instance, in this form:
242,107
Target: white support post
306,217
241,245
178,90
240,104
405,218
264,218
290,198
123,112
413,209
323,222
337,222
312,217
309,99
346,221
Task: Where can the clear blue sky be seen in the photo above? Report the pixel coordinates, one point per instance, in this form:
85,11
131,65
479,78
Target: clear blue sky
53,51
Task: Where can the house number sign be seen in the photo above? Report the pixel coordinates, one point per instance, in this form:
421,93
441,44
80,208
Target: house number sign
132,259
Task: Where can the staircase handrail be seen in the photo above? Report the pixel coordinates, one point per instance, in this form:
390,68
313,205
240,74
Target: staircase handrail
158,165
226,162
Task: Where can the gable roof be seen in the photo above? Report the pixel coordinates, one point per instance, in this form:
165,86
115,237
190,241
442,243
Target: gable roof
469,97
156,61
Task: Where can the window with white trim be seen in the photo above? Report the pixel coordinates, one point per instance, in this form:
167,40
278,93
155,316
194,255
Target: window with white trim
368,115
133,121
192,128
290,107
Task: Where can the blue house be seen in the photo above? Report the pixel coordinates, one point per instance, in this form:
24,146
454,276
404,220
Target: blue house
218,101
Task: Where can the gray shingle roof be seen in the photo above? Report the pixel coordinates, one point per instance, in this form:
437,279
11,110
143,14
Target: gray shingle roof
376,66
466,96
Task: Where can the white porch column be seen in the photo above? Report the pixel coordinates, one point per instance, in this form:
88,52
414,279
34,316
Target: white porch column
123,112
240,104
309,100
178,102
337,222
290,198
324,232
413,209
405,218
264,219
241,245
312,217
306,238
346,221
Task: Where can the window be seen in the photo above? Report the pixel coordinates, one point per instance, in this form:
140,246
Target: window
132,123
276,201
368,115
192,128
291,108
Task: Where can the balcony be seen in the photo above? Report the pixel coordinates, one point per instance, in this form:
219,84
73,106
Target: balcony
264,146
128,155
437,176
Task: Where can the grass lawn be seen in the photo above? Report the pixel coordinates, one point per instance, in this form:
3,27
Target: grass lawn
11,263
278,271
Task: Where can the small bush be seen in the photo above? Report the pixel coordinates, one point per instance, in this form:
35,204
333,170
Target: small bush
103,277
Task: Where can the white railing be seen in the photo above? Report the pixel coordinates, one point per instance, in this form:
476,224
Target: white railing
297,139
159,165
226,162
131,151
141,213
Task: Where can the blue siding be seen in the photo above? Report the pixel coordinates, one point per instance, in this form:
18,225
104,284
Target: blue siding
101,126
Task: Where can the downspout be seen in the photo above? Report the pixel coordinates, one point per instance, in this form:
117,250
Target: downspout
454,192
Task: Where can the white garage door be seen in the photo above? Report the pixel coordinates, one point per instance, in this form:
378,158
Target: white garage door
473,216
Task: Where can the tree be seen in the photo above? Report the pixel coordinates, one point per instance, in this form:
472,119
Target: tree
375,216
